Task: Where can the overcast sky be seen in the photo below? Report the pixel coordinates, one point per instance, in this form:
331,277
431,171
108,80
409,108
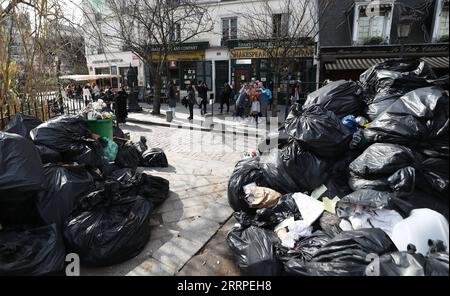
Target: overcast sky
71,9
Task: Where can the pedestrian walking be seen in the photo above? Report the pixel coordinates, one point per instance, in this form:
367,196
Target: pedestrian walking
121,105
171,97
96,92
225,97
191,101
255,108
265,99
202,90
87,96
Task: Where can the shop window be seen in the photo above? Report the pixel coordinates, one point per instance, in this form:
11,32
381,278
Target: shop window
280,24
229,28
443,21
372,23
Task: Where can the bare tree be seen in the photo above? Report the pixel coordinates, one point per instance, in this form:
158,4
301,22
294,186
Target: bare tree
34,39
282,30
151,29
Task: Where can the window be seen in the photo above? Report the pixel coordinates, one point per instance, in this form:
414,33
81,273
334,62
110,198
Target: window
280,24
175,35
372,23
229,28
443,21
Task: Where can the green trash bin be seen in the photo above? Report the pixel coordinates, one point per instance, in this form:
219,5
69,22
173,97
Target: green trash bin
101,127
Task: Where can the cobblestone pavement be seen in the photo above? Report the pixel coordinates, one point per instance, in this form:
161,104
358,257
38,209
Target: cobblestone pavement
200,164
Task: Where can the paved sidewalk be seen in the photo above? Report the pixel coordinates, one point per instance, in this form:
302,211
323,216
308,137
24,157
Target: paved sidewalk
213,121
200,165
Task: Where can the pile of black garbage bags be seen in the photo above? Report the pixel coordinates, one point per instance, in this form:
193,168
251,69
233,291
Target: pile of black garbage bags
356,183
63,190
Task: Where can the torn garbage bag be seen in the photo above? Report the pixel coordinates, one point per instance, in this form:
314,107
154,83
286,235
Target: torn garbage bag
254,251
64,187
154,157
341,97
22,124
304,249
31,251
318,130
284,209
260,197
290,231
245,172
20,165
344,255
107,229
414,119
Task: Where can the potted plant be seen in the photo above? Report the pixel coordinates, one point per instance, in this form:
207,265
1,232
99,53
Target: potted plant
373,40
444,38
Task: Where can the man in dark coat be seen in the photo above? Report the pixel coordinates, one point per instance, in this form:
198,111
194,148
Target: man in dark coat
121,105
225,97
202,90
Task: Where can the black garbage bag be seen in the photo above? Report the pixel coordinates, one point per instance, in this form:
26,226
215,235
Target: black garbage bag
20,165
275,140
271,217
22,124
410,263
329,223
254,250
341,97
68,134
413,120
295,169
319,131
437,260
31,251
396,75
91,155
304,248
141,146
64,187
153,188
344,255
118,132
154,157
49,155
18,209
107,229
128,156
435,172
385,166
382,159
245,172
122,175
382,101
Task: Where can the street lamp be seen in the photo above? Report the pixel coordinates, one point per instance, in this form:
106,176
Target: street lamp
133,105
403,30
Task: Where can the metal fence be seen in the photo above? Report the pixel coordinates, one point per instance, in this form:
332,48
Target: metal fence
43,106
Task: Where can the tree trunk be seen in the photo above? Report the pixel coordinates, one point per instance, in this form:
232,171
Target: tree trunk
157,96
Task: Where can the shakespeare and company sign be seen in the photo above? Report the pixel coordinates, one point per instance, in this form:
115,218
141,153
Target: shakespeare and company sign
258,53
